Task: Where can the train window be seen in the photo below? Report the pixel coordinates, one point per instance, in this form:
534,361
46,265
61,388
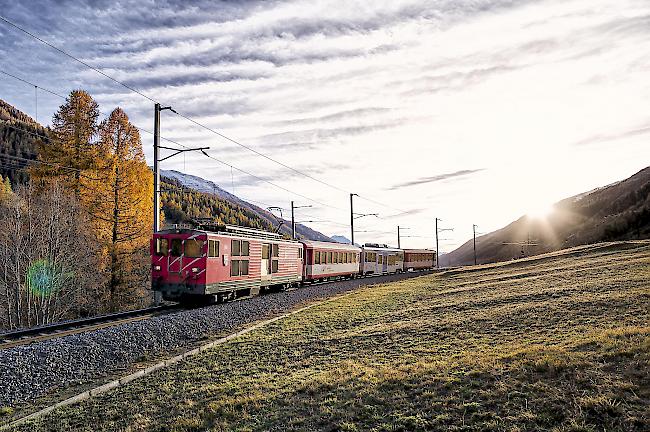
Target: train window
336,256
276,250
265,251
345,257
245,248
213,248
234,268
193,248
300,253
243,267
177,245
235,246
162,247
381,259
329,257
274,266
316,257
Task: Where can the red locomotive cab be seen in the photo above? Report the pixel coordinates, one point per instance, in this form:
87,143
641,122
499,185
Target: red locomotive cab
178,261
222,262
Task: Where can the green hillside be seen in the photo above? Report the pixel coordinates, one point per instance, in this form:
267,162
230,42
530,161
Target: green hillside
558,343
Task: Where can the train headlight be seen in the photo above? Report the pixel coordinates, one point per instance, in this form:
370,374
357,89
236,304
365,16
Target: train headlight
156,268
195,269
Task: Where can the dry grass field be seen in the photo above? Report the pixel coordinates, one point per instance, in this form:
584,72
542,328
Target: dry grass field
558,343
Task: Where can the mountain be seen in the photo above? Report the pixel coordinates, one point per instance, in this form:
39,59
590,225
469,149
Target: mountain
184,196
267,219
18,136
341,239
619,211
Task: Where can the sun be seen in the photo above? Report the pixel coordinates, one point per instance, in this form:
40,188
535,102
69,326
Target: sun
541,211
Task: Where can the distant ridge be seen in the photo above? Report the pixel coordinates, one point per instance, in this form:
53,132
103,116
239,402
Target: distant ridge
619,211
209,187
19,134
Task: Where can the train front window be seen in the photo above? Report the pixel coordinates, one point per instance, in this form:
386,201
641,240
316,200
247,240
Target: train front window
162,247
193,248
245,248
177,247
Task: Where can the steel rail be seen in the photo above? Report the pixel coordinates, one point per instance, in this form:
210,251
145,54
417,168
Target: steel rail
48,331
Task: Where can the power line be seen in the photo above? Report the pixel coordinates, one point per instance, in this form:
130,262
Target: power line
197,123
16,26
271,183
141,129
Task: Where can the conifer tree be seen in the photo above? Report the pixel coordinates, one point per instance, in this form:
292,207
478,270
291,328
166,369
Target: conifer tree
71,153
123,203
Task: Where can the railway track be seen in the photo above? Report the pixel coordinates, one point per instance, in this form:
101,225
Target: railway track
51,331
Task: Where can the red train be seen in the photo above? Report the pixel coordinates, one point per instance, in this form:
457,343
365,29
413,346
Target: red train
220,263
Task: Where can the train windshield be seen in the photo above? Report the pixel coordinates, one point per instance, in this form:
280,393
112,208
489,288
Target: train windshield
162,247
193,248
177,245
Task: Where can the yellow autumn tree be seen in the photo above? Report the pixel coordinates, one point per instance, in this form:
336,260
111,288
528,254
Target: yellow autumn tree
71,154
123,202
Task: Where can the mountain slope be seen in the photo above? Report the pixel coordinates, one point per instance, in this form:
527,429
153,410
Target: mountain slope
619,211
185,196
18,136
267,219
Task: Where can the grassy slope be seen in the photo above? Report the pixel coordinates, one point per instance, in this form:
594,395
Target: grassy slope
553,344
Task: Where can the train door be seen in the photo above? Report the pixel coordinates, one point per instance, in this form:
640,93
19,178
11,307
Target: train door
266,262
174,260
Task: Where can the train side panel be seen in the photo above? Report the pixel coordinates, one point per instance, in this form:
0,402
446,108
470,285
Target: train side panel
327,260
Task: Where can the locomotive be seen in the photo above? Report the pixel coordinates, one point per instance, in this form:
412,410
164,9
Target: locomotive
217,263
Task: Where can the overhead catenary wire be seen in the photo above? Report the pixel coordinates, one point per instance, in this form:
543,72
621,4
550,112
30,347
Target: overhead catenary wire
186,117
141,129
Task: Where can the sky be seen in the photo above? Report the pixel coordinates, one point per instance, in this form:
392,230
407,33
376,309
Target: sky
471,111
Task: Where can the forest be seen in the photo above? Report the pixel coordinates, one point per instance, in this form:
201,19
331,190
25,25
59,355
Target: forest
76,214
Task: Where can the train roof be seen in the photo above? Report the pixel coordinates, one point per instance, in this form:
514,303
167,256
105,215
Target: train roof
330,245
229,230
380,248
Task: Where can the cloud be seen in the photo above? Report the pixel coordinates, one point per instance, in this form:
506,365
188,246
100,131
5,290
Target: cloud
436,178
600,138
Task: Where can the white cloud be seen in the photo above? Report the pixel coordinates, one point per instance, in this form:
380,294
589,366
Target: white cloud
381,93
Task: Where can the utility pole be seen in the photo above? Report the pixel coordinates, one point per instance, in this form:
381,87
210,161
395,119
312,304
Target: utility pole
398,239
354,216
437,247
157,160
156,169
474,229
293,223
439,230
352,219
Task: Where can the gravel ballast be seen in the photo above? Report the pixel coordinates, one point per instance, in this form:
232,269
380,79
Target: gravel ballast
32,371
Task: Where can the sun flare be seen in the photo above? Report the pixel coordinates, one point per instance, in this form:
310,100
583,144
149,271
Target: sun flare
540,211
